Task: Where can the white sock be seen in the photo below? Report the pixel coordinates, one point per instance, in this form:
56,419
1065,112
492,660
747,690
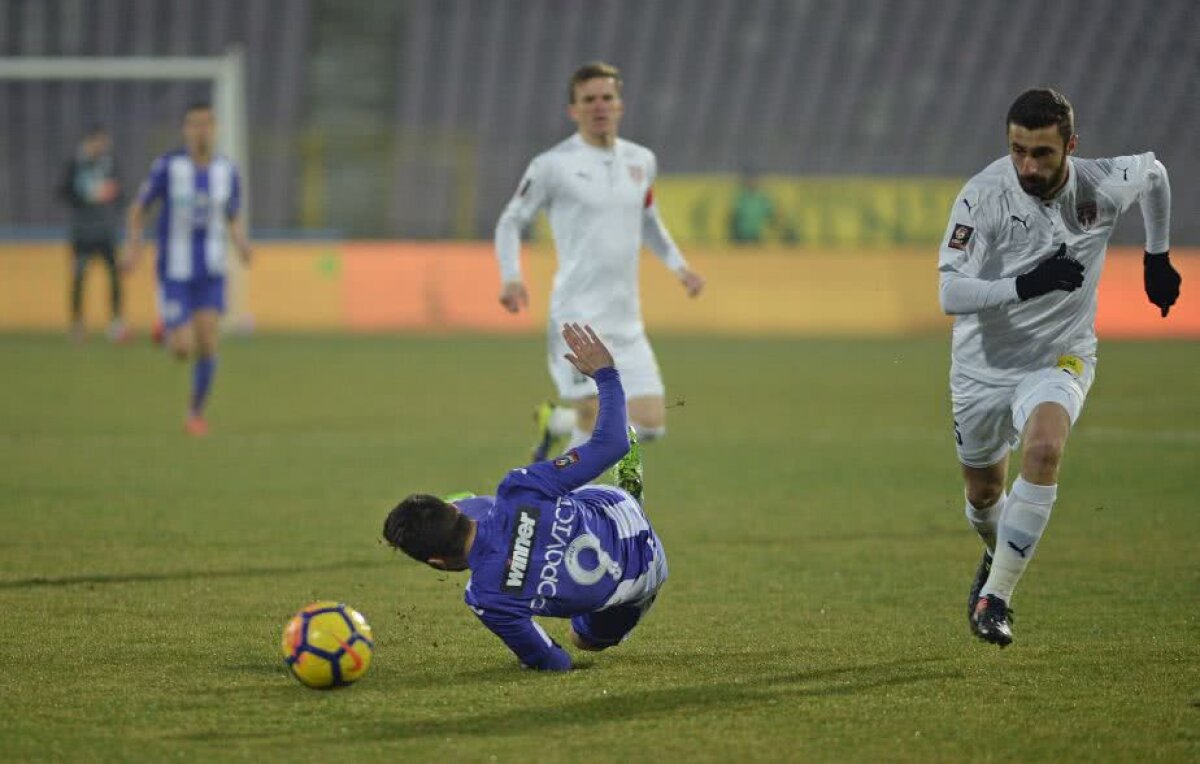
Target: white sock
578,438
986,520
1021,524
647,434
562,421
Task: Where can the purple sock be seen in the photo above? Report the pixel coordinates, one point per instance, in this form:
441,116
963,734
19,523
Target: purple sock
202,377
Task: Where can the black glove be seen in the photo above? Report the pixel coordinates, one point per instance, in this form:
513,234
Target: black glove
1162,280
1060,271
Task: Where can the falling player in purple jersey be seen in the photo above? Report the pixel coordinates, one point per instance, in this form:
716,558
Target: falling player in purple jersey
549,544
200,195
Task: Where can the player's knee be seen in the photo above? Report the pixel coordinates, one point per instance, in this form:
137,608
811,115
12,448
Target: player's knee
984,494
582,643
648,416
181,349
1042,456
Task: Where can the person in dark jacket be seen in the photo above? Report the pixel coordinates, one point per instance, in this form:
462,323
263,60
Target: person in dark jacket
91,188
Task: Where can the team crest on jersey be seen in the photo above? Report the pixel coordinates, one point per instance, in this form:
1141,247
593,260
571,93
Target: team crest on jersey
637,172
1086,213
566,460
960,236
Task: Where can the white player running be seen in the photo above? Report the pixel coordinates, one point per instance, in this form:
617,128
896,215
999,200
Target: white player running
1019,268
598,192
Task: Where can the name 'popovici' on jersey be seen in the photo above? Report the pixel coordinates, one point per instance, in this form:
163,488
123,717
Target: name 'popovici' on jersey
553,545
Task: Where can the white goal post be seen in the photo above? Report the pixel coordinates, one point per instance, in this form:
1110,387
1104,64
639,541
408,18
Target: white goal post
228,77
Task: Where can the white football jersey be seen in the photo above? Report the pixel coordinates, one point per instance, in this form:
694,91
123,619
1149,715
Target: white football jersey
600,203
998,232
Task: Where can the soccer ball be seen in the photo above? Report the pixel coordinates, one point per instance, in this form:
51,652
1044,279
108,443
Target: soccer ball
328,644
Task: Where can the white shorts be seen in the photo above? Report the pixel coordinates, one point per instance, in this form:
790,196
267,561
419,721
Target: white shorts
989,418
634,358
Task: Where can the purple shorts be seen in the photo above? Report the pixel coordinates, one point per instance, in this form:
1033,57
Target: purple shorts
178,300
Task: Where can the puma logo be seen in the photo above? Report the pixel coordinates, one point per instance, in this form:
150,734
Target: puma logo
970,211
1021,550
1023,221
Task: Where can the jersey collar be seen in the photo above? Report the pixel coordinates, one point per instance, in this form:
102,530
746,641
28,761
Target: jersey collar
606,153
485,536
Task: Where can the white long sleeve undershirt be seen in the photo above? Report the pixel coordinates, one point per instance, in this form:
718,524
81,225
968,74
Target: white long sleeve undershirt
1156,209
508,245
658,239
961,294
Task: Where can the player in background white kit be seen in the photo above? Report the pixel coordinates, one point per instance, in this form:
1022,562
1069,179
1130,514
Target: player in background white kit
1019,268
597,190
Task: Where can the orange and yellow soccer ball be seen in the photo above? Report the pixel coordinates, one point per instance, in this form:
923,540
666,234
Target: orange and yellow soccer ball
328,644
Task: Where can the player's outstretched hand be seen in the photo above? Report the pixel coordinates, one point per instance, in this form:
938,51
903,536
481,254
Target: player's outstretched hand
514,297
588,353
693,283
1162,280
1059,272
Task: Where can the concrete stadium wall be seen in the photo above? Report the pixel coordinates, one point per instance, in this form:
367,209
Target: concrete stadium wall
450,287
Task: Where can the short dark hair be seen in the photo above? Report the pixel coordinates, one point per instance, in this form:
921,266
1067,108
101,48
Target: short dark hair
591,71
424,526
95,130
1043,107
197,106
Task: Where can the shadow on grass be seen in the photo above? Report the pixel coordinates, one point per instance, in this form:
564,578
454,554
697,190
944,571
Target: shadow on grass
101,579
749,691
740,692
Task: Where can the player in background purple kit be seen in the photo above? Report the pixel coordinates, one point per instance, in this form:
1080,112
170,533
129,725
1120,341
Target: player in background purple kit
200,196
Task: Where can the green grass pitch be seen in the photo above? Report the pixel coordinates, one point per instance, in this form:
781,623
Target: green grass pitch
807,495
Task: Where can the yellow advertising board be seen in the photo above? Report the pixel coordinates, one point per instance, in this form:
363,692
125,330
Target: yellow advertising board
832,212
453,286
826,212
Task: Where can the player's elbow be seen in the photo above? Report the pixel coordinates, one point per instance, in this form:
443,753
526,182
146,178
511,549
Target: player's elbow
950,310
947,307
556,660
509,226
946,299
614,448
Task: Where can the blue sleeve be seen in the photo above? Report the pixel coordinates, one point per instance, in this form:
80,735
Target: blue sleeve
609,442
155,186
234,205
475,507
531,644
